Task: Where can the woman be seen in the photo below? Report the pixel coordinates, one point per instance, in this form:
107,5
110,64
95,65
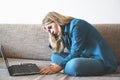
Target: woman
88,54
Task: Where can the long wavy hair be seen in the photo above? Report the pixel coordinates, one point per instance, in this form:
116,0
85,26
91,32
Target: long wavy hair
61,20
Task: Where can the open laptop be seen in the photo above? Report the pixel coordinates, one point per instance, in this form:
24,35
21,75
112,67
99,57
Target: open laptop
20,69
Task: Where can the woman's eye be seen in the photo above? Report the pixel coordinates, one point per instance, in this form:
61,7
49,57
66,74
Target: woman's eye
49,27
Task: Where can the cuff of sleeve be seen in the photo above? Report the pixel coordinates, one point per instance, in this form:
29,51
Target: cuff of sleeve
62,65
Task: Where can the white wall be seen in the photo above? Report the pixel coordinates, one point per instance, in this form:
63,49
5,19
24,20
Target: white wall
33,11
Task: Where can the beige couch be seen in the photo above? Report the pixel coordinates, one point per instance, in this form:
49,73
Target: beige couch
27,43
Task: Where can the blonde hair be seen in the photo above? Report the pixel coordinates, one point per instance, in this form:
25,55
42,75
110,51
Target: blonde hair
61,20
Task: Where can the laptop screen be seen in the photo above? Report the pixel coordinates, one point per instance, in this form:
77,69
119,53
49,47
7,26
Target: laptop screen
4,56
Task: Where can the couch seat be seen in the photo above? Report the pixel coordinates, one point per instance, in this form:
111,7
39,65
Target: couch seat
58,76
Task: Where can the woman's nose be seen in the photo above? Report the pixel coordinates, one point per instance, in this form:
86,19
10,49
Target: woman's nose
49,31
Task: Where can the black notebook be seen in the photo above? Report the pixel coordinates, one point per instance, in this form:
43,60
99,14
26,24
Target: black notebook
20,69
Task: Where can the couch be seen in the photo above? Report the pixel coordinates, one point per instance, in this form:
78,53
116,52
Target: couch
28,43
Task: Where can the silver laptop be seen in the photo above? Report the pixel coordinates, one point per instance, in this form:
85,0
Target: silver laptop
21,69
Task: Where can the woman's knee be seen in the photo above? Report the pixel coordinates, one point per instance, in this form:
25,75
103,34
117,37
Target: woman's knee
57,58
72,68
54,56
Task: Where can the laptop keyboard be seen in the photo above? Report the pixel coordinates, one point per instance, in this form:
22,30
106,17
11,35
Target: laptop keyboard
24,68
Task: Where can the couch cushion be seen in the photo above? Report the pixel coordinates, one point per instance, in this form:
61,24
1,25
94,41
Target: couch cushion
24,41
111,33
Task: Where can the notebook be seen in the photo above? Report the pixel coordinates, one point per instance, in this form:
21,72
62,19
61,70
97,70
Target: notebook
20,69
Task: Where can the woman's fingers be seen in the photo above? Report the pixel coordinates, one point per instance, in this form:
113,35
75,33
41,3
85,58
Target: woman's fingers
54,68
46,71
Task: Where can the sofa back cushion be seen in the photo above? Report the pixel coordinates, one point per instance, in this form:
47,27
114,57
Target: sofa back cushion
25,41
111,33
30,41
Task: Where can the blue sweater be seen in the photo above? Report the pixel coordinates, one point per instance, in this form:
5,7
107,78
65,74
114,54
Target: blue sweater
83,40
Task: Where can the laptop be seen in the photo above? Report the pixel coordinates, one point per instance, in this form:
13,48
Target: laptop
20,69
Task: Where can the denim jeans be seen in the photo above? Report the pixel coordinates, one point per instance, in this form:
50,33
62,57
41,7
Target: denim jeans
79,66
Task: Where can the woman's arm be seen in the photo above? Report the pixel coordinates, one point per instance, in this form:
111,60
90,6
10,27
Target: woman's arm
78,36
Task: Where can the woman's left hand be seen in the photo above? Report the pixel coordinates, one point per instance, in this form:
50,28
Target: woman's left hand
54,68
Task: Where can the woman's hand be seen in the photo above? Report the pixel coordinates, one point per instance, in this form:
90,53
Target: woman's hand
52,41
54,68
